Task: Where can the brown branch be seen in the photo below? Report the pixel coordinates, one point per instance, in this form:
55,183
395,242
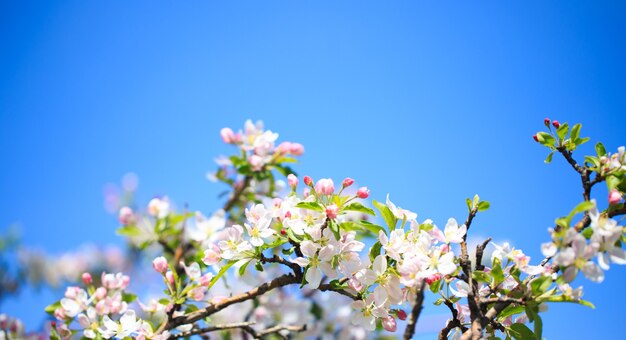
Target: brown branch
325,287
280,260
204,330
452,324
480,249
213,308
415,313
245,326
234,199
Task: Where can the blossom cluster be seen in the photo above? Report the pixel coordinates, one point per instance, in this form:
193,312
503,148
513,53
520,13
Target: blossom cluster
323,237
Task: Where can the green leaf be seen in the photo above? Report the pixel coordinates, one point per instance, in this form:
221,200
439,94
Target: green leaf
258,266
481,276
221,272
358,207
374,228
519,331
563,298
129,230
587,233
540,284
545,138
600,150
469,204
317,311
242,269
310,206
581,141
128,297
284,170
575,133
496,272
562,131
387,215
548,159
334,227
51,308
483,205
510,310
581,207
375,251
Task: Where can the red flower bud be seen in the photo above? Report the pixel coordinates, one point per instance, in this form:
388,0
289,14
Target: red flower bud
283,232
401,314
547,122
347,182
87,280
556,124
535,138
308,180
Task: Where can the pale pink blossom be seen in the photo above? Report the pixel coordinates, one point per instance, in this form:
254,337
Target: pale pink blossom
325,186
160,264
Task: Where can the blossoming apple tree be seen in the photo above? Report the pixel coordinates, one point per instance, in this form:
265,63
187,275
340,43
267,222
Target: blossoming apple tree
313,258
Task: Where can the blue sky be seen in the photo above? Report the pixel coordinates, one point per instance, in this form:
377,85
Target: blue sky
429,103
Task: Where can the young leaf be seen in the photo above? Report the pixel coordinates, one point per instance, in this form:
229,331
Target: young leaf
549,158
575,132
388,216
562,131
222,272
310,206
358,207
483,205
600,150
519,331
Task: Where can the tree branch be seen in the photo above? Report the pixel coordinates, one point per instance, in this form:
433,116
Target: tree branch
415,313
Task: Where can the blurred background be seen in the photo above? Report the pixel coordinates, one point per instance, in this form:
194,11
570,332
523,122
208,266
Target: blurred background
429,103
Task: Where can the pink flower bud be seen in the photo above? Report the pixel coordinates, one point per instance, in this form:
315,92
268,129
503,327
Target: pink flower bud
355,284
126,216
401,314
306,192
256,162
325,186
331,211
556,124
212,255
160,264
59,313
363,192
87,280
308,181
347,182
292,180
101,293
228,136
433,278
296,149
284,148
169,276
389,324
604,160
205,279
614,196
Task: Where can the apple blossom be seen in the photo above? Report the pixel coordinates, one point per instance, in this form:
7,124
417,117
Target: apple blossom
325,186
128,324
363,192
160,264
614,196
292,180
